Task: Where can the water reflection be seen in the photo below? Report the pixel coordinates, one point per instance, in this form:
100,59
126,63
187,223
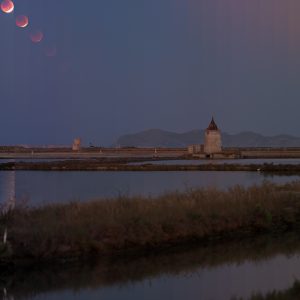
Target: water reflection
209,272
37,187
8,185
248,161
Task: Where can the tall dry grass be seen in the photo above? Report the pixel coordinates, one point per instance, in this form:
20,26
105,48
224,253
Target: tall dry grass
114,225
292,293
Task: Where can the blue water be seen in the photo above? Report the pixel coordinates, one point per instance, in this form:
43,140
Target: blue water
215,273
291,161
217,283
38,187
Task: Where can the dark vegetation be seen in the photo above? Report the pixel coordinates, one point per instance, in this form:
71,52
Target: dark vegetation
292,293
120,164
133,225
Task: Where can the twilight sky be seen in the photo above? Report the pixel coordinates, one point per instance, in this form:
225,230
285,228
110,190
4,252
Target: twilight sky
118,67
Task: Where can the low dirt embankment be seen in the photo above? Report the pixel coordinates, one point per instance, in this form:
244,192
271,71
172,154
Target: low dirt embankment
121,164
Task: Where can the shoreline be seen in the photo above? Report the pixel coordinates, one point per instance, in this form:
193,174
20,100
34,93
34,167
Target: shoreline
243,235
103,166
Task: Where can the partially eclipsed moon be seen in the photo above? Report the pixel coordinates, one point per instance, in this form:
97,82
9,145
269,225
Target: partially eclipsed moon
7,6
22,21
50,51
36,36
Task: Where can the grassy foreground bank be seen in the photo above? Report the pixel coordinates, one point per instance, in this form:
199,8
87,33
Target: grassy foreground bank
111,227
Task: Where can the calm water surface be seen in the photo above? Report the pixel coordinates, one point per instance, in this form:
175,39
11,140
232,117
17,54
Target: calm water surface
288,161
292,161
45,187
214,272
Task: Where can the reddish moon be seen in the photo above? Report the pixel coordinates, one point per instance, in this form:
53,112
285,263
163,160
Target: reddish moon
22,21
7,6
36,36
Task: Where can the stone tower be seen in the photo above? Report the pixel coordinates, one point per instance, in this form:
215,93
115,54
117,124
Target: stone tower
76,144
212,139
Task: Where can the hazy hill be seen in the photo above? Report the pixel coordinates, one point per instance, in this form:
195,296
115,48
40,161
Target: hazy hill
161,138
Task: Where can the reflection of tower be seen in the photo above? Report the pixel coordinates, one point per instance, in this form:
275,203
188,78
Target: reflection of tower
6,296
8,190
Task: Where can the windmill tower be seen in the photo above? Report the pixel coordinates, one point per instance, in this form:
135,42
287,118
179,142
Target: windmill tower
212,139
76,144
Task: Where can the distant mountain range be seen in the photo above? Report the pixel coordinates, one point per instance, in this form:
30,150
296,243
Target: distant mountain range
162,138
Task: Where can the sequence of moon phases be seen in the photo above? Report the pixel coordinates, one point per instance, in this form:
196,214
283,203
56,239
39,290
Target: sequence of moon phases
36,36
7,6
22,21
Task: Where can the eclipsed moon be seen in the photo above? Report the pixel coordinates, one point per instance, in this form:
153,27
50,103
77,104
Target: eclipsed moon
50,51
7,6
36,36
22,21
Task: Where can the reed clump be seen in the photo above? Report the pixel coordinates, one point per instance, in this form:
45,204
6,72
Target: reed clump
114,226
293,293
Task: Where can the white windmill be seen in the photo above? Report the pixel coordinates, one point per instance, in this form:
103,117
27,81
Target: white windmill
76,144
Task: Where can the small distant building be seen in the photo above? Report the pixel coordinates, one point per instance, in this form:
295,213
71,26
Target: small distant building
212,139
76,144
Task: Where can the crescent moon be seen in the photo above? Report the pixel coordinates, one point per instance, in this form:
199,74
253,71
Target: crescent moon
22,21
36,36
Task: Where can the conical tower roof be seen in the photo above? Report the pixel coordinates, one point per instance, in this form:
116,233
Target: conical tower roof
212,125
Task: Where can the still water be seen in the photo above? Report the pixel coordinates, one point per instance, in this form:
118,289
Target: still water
277,161
219,272
37,187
